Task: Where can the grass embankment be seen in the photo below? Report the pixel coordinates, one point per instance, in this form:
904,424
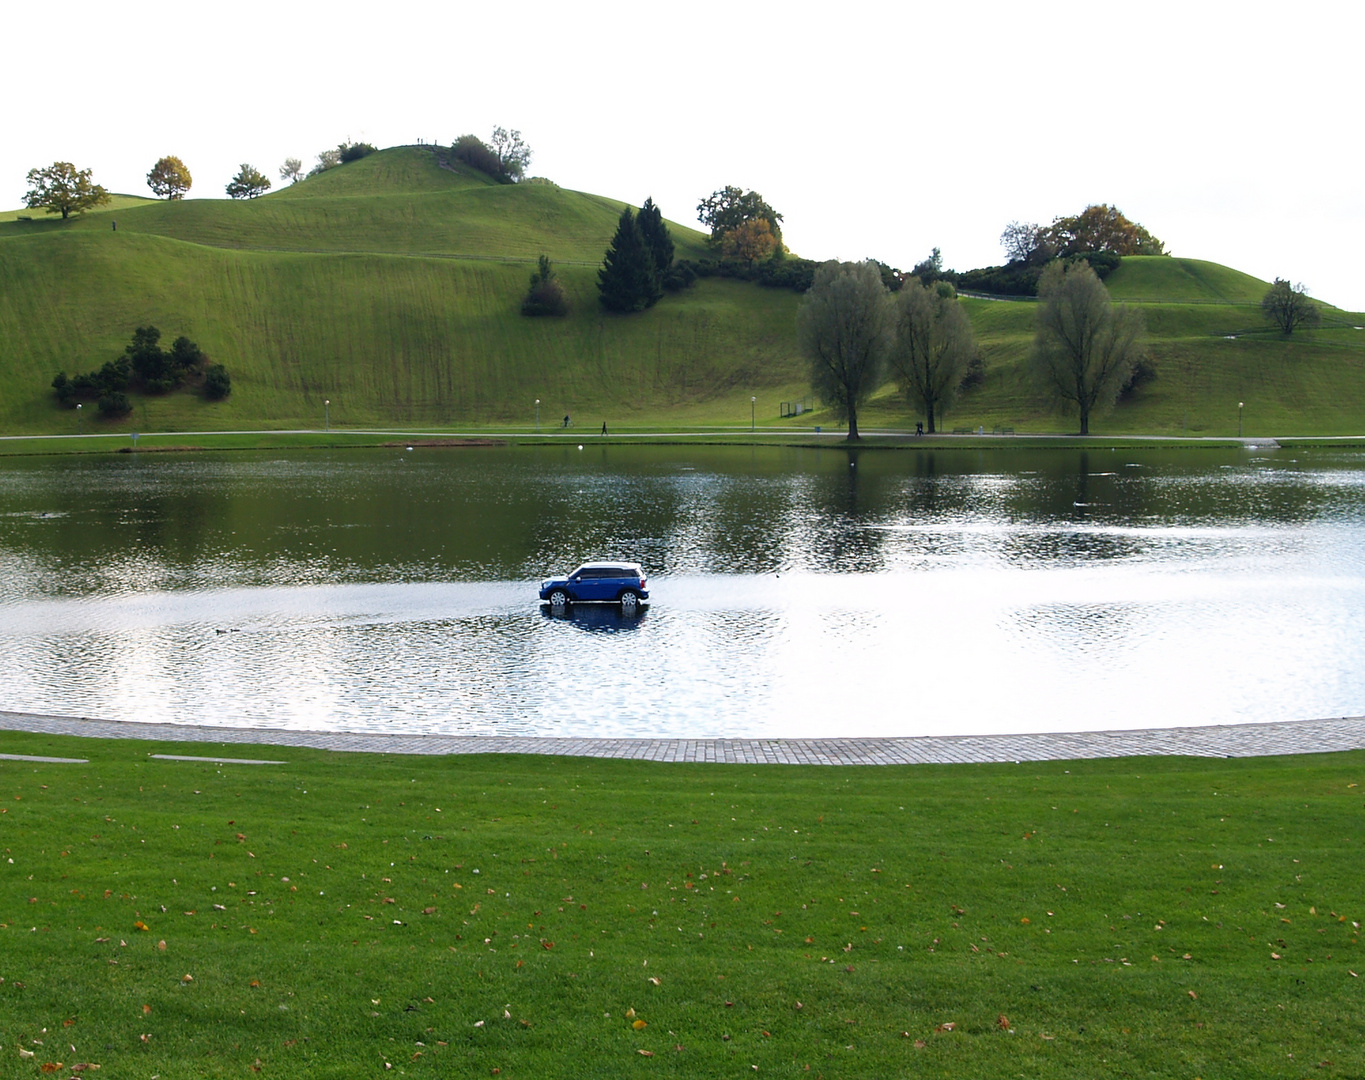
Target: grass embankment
391,286
340,914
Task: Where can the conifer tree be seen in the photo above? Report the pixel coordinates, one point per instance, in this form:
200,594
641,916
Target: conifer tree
628,280
657,238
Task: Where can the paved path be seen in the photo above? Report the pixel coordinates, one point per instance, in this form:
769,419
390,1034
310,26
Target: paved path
1231,740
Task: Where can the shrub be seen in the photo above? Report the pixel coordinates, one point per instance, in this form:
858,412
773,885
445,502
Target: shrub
546,294
114,404
353,151
217,383
679,276
1144,371
543,181
477,154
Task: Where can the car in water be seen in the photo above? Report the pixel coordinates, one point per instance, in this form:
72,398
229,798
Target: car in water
598,583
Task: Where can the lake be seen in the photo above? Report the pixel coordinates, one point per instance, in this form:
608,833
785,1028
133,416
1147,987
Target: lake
795,592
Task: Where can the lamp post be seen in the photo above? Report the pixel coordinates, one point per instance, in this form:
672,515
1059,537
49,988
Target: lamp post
753,401
327,413
78,418
537,416
1239,418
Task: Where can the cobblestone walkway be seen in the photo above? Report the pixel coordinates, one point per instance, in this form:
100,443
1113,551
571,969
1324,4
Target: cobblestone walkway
1232,740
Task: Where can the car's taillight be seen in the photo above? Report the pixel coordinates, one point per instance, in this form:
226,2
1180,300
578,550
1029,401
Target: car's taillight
642,582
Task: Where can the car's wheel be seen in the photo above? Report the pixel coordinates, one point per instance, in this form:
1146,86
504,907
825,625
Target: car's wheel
559,599
629,600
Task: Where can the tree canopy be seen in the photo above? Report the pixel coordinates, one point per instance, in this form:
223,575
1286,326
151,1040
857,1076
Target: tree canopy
512,153
248,183
844,327
934,346
1083,349
1289,307
169,178
629,278
291,170
63,189
727,209
1101,227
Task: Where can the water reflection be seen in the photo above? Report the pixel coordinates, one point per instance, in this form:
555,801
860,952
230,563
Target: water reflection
795,592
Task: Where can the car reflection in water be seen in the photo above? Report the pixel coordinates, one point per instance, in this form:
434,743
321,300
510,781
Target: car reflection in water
597,618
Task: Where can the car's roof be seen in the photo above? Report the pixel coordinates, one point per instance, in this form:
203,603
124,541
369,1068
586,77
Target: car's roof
609,565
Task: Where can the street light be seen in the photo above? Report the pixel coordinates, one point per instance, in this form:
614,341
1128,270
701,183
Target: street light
327,413
78,418
1239,418
537,416
752,403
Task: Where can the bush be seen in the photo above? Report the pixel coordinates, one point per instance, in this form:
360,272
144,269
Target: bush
1144,371
217,383
546,298
477,154
353,151
115,404
679,276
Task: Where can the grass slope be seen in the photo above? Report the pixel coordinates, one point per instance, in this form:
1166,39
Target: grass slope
345,915
391,286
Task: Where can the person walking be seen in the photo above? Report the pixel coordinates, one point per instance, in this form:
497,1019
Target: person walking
604,427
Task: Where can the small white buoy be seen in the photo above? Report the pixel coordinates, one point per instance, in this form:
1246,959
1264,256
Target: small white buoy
580,446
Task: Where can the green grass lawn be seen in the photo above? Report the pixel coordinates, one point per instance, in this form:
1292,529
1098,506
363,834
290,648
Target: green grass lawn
357,916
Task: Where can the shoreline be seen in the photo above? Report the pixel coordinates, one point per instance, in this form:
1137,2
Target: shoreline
1275,738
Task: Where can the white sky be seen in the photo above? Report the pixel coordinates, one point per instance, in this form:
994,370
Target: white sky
1231,130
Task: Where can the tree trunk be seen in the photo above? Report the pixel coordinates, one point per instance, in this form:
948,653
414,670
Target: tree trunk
929,415
853,423
1085,422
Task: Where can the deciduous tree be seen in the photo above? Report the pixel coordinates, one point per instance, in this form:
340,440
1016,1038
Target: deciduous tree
1083,349
1101,227
546,293
1288,307
628,280
512,153
169,179
291,170
729,208
933,349
1026,242
63,189
844,327
750,242
248,183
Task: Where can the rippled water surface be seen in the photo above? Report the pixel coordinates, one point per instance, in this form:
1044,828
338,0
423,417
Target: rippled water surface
795,592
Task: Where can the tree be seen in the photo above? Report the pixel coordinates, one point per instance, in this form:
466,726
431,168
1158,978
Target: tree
844,326
729,208
934,348
327,159
1101,227
63,189
217,383
1288,307
750,242
291,170
353,151
512,153
628,280
1026,242
546,294
1083,349
169,179
931,269
248,183
656,236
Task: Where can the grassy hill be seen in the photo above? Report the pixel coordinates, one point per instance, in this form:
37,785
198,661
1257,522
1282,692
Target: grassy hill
391,287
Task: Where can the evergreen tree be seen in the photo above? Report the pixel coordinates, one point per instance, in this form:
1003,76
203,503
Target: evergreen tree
657,238
628,280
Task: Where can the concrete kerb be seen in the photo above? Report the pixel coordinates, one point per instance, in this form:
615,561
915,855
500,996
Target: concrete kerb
1224,740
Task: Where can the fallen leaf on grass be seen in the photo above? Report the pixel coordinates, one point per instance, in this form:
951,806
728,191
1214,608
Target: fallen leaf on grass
640,1025
187,978
146,1009
50,1066
1002,1022
141,925
1192,994
920,1044
83,1066
254,984
25,1053
654,980
645,1053
947,1026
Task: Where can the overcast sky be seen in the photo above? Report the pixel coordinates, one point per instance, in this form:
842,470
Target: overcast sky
1231,130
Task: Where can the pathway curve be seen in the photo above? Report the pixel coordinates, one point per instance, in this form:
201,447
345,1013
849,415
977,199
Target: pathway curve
1230,740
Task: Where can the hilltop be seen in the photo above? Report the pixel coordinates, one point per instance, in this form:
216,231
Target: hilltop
391,287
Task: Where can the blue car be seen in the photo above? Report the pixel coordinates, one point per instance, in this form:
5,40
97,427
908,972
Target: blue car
598,583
